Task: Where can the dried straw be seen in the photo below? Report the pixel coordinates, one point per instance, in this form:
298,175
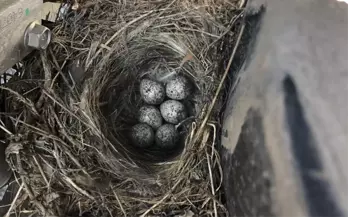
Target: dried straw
68,115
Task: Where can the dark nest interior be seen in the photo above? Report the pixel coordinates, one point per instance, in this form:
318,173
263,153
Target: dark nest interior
68,110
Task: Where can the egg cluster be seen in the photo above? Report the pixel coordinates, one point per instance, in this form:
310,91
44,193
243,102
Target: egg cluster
163,110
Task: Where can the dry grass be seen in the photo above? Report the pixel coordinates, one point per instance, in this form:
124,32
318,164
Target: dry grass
67,132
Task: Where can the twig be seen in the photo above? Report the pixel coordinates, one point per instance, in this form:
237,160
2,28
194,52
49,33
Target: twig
58,160
42,172
70,181
47,70
29,104
211,183
28,189
214,139
14,200
64,108
184,121
48,79
161,201
43,133
5,130
119,202
234,20
242,3
115,35
205,120
60,72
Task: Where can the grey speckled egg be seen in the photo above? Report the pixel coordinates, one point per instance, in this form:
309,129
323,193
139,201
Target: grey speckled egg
166,136
152,92
150,115
179,88
173,111
142,135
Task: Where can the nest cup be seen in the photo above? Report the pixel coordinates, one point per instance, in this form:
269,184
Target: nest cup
69,126
158,57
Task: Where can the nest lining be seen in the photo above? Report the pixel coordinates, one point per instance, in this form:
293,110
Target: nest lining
67,133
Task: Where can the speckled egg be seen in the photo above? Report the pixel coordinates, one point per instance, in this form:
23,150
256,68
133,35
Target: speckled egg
166,136
152,92
179,88
150,115
142,135
173,111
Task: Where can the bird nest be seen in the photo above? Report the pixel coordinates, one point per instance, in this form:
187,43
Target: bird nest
69,109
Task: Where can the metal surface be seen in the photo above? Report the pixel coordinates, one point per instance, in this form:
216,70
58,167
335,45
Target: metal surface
15,16
37,36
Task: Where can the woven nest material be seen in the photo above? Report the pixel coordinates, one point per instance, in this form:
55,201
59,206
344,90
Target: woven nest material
69,109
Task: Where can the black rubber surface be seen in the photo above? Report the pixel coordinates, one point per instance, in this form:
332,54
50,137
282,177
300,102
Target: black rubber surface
248,182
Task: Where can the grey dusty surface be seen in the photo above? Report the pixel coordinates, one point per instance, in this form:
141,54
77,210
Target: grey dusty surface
150,115
152,92
166,136
179,88
296,79
173,111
